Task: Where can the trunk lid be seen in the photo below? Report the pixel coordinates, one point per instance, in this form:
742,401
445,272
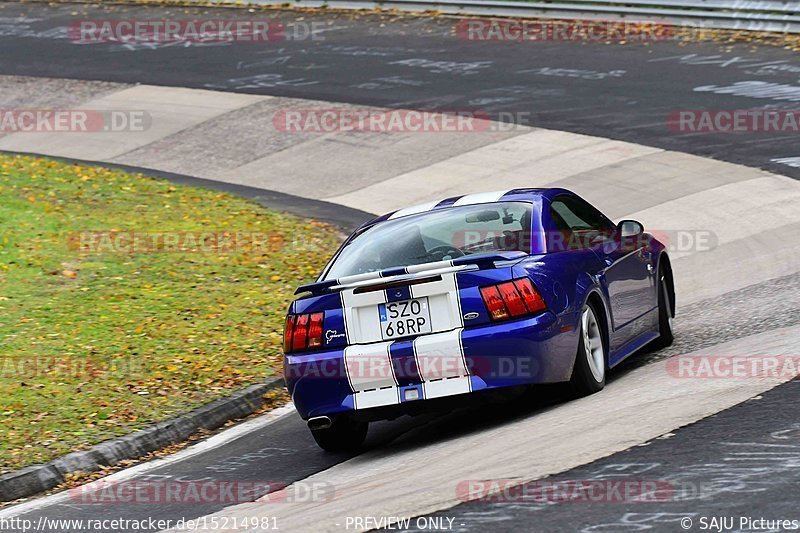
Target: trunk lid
406,302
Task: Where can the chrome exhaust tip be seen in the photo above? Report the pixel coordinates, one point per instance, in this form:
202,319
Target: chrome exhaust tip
319,422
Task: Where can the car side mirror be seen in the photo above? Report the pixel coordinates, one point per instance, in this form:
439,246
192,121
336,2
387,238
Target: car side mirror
630,228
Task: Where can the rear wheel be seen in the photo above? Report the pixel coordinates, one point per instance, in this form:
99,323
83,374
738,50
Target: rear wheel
344,435
589,371
665,312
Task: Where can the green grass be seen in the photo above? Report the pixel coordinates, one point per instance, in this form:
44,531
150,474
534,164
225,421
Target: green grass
96,344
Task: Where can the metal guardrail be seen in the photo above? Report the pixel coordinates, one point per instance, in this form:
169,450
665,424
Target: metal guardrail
758,15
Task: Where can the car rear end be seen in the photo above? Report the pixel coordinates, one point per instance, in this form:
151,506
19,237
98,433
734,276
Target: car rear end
379,344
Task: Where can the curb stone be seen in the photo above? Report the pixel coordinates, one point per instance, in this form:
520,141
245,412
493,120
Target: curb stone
34,479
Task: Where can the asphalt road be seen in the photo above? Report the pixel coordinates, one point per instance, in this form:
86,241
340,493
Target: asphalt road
276,455
624,92
284,452
740,463
619,91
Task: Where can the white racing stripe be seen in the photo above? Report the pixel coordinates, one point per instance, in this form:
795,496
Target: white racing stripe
443,300
440,361
371,376
421,208
361,309
361,315
441,364
357,278
439,355
480,198
413,269
469,199
424,270
447,387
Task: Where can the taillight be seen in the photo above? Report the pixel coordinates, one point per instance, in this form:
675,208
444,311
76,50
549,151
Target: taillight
303,332
300,334
512,299
494,303
531,297
315,330
287,334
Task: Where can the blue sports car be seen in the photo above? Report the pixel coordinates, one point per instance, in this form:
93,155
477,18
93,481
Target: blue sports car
423,306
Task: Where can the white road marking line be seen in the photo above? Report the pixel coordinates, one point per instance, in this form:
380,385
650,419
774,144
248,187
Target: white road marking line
225,437
644,404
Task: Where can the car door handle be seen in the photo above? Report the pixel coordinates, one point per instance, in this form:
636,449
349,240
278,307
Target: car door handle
609,261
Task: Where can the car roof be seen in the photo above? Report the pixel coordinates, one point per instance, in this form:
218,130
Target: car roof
509,195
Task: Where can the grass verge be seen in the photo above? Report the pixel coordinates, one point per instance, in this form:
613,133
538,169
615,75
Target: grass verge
125,300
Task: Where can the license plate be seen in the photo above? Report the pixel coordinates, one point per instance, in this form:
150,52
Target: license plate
405,318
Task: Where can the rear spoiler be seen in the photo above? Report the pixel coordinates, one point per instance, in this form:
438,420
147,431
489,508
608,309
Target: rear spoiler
476,262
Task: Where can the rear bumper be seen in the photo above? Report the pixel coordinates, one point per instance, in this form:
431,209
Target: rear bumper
525,351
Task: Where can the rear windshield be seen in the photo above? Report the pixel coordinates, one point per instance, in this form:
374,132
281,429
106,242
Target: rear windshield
435,236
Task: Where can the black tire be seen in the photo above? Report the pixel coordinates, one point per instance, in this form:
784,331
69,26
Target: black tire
584,381
344,435
665,312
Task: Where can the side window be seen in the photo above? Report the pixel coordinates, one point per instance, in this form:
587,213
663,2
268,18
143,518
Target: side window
573,214
578,224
